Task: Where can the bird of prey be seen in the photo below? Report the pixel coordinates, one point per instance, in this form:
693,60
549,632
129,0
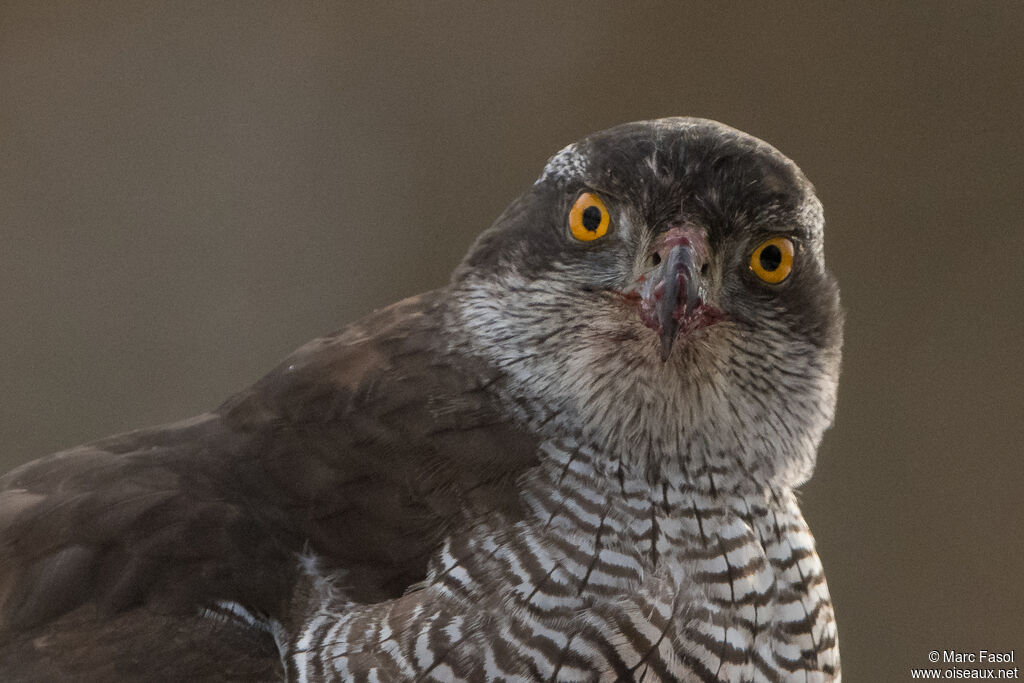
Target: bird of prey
574,462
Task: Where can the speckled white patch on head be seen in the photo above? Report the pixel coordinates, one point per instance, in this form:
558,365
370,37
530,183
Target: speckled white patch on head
570,162
811,215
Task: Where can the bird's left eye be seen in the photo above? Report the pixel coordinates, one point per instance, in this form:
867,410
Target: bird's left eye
588,218
772,261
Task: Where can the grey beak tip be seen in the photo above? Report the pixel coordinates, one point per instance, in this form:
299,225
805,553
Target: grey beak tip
668,337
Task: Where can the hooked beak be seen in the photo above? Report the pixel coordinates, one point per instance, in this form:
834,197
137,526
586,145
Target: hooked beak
673,293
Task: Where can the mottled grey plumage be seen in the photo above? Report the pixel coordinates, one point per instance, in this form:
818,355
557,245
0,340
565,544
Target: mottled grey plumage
575,462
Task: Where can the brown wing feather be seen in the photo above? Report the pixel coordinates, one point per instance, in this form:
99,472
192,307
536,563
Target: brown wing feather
362,447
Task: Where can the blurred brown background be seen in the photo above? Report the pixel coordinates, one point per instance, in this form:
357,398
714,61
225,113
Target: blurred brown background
187,193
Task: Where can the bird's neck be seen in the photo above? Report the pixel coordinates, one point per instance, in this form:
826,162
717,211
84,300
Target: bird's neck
692,418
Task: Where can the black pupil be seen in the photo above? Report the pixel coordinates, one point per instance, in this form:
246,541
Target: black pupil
592,218
771,257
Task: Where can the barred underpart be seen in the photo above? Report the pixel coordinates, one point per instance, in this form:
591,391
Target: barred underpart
612,576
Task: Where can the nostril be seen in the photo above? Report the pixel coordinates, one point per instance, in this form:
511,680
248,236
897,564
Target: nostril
655,258
704,269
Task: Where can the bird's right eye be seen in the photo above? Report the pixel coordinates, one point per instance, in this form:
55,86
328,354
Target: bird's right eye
588,218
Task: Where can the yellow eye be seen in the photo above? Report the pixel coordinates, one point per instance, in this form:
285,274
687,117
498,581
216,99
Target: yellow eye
588,219
773,260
